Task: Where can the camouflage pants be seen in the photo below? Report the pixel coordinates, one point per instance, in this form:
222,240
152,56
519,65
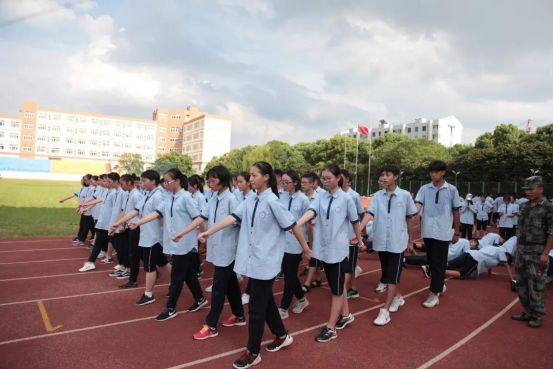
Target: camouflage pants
531,283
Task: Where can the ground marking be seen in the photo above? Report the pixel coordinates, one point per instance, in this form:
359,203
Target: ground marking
45,318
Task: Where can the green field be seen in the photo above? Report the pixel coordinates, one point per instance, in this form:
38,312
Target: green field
32,208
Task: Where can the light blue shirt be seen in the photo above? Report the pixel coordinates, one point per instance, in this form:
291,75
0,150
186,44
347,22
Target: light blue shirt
458,248
437,211
242,197
467,212
504,210
100,193
390,231
297,204
335,215
89,195
482,211
151,232
263,225
178,210
118,195
360,211
106,206
221,246
490,239
132,201
200,199
487,257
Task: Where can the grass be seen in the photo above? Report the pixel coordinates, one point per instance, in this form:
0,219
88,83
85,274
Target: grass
32,208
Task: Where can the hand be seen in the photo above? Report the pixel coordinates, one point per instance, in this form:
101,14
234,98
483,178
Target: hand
308,254
544,259
176,238
111,231
411,248
313,221
202,237
354,241
362,246
132,225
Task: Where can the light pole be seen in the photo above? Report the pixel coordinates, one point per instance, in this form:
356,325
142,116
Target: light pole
400,177
456,174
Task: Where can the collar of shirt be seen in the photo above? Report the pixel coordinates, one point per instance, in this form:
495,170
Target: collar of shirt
445,185
264,194
335,194
394,193
178,194
221,195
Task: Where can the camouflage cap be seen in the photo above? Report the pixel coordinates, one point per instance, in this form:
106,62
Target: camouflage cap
531,182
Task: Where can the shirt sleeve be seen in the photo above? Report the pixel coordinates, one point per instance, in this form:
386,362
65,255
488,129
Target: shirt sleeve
353,216
157,201
191,207
420,195
455,201
373,207
284,218
139,204
411,209
238,212
160,208
549,220
204,213
358,204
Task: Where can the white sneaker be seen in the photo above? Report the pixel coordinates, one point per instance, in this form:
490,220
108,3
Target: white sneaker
300,305
381,287
383,317
358,270
102,255
245,298
443,290
87,266
283,313
209,288
118,267
396,303
431,301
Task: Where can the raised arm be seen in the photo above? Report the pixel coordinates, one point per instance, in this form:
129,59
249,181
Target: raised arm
223,223
309,214
189,228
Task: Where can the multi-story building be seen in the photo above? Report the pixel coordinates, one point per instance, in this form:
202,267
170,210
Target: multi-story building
71,136
447,131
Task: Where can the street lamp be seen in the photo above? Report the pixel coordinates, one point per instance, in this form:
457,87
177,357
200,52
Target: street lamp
456,174
534,171
400,177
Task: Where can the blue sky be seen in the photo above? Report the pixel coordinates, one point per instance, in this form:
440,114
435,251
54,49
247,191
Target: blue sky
287,70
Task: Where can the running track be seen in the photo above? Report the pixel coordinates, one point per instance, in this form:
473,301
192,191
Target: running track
55,317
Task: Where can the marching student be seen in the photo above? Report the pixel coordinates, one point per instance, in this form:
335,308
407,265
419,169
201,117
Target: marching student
81,197
467,217
221,252
111,183
151,233
296,203
263,224
196,189
349,283
483,210
335,212
122,233
244,186
507,214
440,205
391,209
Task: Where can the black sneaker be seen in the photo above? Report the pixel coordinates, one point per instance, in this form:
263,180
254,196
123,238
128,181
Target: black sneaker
247,360
197,305
145,300
344,321
279,343
129,284
166,314
326,335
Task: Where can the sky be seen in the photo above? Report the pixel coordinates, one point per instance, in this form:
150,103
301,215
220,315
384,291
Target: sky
288,70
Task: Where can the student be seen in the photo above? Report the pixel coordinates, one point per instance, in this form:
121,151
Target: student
196,189
100,193
122,270
350,278
335,212
440,203
391,209
497,203
296,203
507,214
221,251
111,183
483,210
244,186
81,197
468,209
151,233
263,224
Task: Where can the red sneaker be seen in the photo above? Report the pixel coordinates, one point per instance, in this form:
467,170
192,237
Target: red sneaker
247,360
205,333
234,320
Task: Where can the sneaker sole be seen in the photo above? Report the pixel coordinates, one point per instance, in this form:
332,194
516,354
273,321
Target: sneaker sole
330,339
123,276
239,324
353,297
206,337
86,270
255,362
284,344
382,324
147,302
430,306
169,317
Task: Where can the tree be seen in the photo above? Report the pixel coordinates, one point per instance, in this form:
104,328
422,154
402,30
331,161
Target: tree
484,141
279,154
233,160
131,163
173,160
506,134
389,138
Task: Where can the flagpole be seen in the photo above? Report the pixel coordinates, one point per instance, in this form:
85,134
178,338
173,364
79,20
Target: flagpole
370,157
356,158
345,149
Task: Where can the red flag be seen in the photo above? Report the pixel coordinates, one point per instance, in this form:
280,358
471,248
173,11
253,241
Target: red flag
363,130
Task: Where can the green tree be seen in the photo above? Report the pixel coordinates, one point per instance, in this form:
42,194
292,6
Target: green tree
233,160
279,154
131,163
506,134
173,160
389,138
484,141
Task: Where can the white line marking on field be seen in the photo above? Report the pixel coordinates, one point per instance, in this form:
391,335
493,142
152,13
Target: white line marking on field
53,275
33,241
50,249
40,261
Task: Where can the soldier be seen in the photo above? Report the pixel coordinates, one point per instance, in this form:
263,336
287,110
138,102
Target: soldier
532,256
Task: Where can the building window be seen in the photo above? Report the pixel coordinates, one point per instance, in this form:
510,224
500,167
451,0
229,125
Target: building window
54,139
56,116
81,141
162,129
42,116
118,134
175,116
175,129
416,129
28,114
93,131
69,151
105,132
14,124
69,130
41,127
28,126
162,116
105,154
56,129
93,153
14,135
80,152
41,138
13,147
69,140
161,149
70,118
424,128
27,138
83,119
54,150
27,149
408,130
41,149
435,136
139,137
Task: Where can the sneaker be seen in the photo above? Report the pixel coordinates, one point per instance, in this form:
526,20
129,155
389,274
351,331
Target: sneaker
381,287
87,266
426,271
128,285
300,305
326,335
118,267
115,273
234,320
431,301
283,313
245,298
352,294
205,333
535,322
358,270
102,255
209,288
383,318
247,360
197,305
75,240
79,243
166,314
523,317
124,275
344,321
145,300
279,343
396,303
106,260
199,274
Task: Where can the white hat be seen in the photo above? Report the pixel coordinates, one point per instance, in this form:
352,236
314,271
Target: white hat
469,196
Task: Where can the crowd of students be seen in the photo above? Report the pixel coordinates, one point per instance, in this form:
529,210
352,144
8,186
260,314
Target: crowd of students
261,224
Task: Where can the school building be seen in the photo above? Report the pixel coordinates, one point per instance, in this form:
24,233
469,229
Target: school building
41,139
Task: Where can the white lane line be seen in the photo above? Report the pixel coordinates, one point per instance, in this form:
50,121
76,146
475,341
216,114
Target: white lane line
33,241
53,276
473,334
40,261
49,249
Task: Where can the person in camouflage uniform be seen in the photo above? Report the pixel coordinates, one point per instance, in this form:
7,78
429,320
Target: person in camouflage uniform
532,256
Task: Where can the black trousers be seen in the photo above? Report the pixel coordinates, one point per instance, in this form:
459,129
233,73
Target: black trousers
135,254
225,284
100,243
466,230
416,260
436,252
124,247
292,285
262,309
183,271
507,233
86,225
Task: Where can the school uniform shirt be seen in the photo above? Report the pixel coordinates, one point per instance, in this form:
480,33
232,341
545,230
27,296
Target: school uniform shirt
487,257
101,193
116,207
357,201
319,190
81,194
510,245
89,195
489,201
467,212
370,230
458,248
482,211
132,201
221,246
335,214
490,239
497,203
208,194
200,199
437,213
297,204
263,225
390,231
106,207
236,192
178,210
504,210
151,232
